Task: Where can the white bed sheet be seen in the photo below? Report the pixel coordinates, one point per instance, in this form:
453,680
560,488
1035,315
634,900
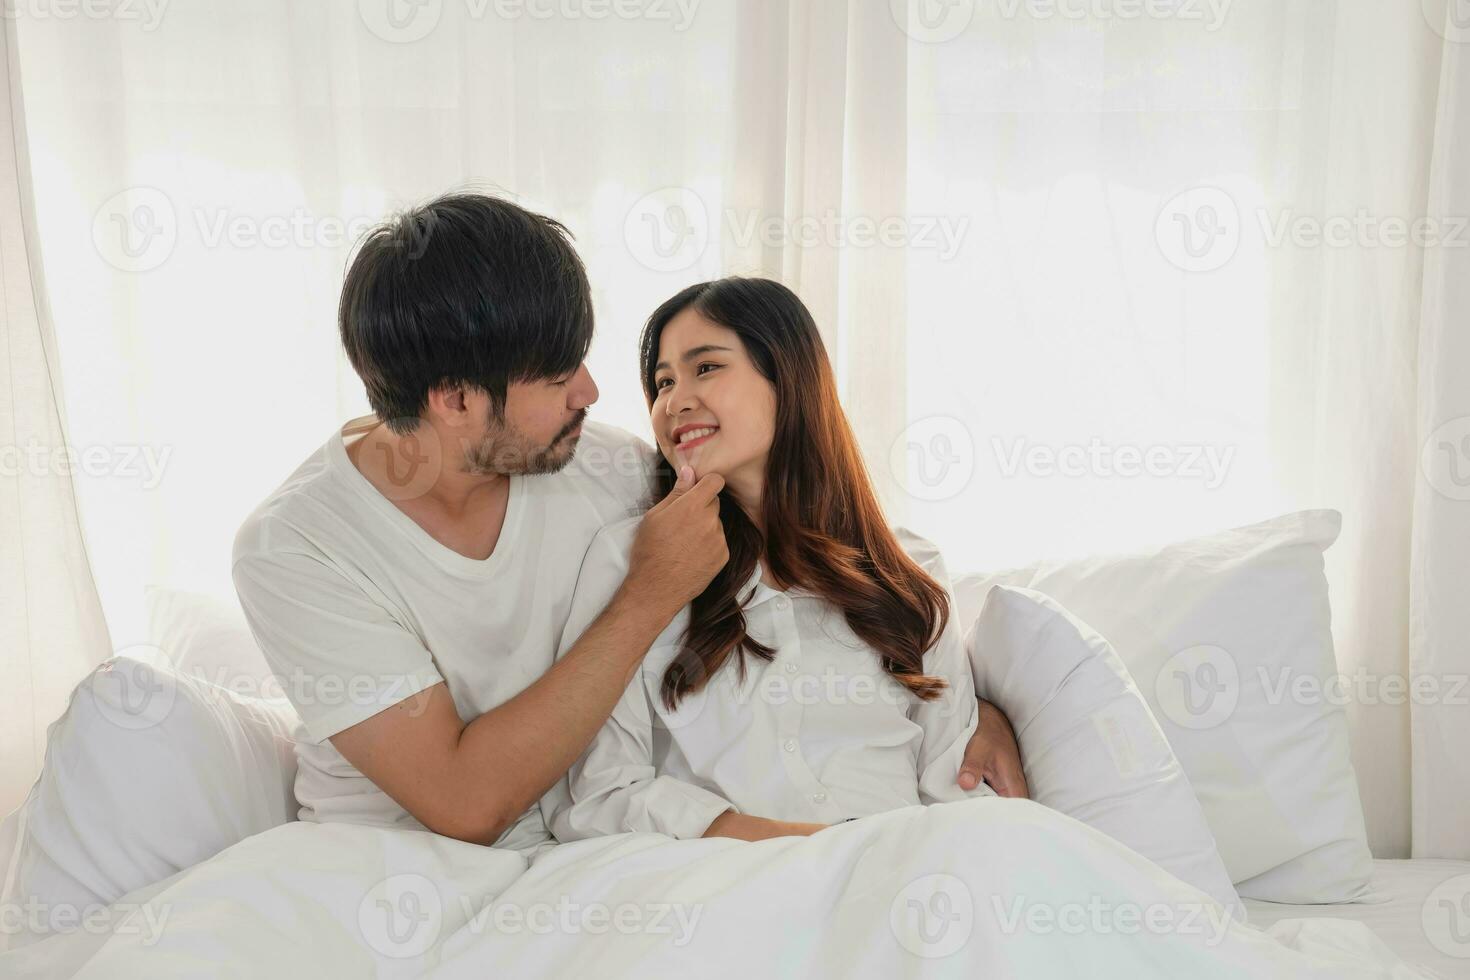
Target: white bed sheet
1395,911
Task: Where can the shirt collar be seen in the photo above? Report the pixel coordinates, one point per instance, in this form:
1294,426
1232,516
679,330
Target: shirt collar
764,591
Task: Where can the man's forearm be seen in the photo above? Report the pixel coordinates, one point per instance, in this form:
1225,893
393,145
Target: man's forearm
532,740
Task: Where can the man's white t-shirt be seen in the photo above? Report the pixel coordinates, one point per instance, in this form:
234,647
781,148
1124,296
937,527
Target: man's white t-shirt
356,607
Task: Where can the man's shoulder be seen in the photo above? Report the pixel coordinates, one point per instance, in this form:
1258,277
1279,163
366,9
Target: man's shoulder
612,466
277,522
616,539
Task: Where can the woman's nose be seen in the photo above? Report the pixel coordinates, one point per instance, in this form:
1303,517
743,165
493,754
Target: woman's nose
680,402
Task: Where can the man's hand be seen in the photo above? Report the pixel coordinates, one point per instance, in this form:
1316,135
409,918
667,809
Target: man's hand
993,755
680,545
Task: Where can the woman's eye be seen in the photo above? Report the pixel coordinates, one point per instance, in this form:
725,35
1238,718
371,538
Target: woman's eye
703,366
661,384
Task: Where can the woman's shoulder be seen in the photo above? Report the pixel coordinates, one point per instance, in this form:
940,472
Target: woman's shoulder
925,553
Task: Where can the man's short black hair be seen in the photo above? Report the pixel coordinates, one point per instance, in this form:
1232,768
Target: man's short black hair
466,289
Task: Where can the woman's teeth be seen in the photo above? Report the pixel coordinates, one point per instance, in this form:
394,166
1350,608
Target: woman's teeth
696,434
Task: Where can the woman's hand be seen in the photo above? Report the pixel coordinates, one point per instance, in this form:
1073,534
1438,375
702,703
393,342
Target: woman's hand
992,755
742,826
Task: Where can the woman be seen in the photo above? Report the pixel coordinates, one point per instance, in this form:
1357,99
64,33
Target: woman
820,677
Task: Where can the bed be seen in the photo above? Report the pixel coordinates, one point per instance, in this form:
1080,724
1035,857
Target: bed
1396,911
162,838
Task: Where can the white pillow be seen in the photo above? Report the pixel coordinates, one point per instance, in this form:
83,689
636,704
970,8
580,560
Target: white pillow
1089,744
208,638
1215,632
147,772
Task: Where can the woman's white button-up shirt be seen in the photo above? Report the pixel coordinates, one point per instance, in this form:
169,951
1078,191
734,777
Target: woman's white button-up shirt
818,734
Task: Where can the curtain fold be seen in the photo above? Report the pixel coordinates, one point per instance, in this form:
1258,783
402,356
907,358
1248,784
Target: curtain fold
52,630
1439,616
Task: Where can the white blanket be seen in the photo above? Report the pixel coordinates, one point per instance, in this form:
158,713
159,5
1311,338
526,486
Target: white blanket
985,887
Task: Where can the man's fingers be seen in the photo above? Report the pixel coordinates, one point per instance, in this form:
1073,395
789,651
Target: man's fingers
1008,784
708,487
969,778
683,483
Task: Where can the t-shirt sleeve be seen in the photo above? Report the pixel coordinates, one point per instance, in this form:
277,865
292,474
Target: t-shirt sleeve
340,657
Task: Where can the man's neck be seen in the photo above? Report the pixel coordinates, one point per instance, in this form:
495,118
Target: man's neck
462,511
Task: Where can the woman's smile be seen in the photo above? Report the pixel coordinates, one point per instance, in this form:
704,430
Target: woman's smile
690,436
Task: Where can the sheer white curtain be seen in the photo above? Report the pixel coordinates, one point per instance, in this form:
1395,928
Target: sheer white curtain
1440,549
51,626
1093,274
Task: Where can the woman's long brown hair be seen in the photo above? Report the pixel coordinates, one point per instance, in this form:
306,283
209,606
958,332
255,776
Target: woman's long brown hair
825,531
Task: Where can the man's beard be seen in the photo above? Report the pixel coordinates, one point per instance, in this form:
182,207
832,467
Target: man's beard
506,450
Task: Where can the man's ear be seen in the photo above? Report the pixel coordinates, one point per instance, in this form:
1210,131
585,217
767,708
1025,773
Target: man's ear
450,405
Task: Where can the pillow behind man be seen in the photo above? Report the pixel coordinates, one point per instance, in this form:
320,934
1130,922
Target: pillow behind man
148,771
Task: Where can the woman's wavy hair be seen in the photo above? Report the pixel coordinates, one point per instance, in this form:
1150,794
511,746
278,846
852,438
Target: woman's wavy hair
824,529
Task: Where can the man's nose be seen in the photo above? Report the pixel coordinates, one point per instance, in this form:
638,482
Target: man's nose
584,389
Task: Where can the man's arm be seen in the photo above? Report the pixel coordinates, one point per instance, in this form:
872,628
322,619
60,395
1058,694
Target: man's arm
473,781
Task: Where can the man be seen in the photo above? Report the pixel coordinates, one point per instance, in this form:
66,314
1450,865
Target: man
410,581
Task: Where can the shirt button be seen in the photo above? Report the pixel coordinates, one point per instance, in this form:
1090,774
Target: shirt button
782,602
789,745
819,797
791,668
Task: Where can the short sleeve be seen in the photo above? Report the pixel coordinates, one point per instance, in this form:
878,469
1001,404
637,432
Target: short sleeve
339,656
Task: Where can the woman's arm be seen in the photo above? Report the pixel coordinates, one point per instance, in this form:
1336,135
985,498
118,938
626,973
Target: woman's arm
742,826
613,788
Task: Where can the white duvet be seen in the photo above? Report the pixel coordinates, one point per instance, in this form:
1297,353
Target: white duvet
982,888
